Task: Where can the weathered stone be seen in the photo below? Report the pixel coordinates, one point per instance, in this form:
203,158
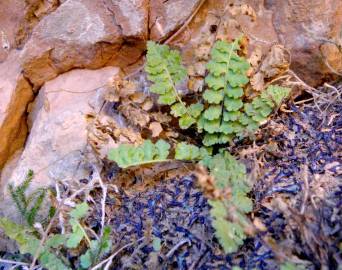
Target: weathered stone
15,94
58,138
17,19
84,34
303,26
11,15
166,16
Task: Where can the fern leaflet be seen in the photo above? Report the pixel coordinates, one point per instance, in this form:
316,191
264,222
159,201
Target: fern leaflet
127,155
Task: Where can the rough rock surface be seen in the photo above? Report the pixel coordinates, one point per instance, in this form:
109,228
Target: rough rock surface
66,35
58,138
304,27
17,19
307,29
167,16
15,94
82,34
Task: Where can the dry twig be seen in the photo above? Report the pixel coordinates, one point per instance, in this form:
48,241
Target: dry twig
107,262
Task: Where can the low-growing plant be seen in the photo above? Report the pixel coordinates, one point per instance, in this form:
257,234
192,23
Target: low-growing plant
223,113
28,206
49,251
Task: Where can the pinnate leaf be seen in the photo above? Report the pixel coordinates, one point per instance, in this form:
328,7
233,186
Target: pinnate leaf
127,155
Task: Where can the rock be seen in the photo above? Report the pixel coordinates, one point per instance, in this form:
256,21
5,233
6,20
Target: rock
57,142
17,19
85,34
11,15
15,94
167,16
303,27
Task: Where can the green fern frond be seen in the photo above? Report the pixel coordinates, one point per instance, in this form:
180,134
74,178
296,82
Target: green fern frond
229,174
226,79
164,68
186,151
127,155
227,76
98,248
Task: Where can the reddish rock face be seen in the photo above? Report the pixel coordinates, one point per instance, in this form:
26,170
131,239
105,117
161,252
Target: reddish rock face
17,19
82,34
166,16
304,28
57,36
56,147
15,94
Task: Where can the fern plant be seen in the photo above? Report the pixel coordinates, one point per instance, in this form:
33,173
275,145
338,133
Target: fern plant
228,174
222,115
127,155
165,70
229,213
227,115
226,79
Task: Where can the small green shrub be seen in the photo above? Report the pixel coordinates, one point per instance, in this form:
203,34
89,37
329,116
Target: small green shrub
28,206
49,252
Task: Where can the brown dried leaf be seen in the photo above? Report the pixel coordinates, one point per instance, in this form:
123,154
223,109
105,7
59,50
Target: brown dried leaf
161,117
138,97
202,52
207,183
275,62
171,134
134,115
105,133
156,129
118,88
147,104
255,58
259,225
243,9
196,84
257,81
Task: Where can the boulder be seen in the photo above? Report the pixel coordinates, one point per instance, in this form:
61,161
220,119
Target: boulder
56,147
85,34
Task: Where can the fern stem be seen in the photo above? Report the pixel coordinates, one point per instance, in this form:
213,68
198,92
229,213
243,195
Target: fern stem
83,231
148,162
226,75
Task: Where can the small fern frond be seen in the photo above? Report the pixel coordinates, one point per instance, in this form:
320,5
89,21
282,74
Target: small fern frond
229,214
164,68
227,76
127,155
